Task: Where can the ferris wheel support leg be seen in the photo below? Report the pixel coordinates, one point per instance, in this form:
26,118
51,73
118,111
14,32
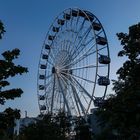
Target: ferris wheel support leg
78,99
65,100
53,95
81,87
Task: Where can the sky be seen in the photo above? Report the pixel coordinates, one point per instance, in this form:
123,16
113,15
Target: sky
27,22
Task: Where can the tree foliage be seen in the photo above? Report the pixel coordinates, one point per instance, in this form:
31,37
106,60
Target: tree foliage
57,127
120,114
8,69
82,129
2,30
50,127
7,121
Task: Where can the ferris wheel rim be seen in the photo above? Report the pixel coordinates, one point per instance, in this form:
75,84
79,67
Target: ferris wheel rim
96,51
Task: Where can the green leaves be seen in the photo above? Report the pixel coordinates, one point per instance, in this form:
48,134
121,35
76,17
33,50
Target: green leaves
10,55
130,42
10,94
120,114
2,30
7,120
49,127
9,69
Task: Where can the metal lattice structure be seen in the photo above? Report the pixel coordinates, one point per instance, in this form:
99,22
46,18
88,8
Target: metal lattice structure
74,65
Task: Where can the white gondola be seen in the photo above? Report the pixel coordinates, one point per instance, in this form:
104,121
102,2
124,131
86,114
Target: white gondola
41,97
53,70
50,37
101,40
98,102
90,15
44,56
87,16
55,29
103,59
41,87
74,13
41,76
42,107
42,66
96,26
67,16
47,46
60,22
103,81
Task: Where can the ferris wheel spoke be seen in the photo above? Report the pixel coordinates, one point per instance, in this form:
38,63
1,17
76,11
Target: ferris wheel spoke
80,28
88,42
51,63
53,90
81,49
57,42
96,51
89,81
70,96
83,38
76,24
69,32
52,58
76,97
62,60
47,77
85,67
84,35
83,56
82,88
69,45
48,84
64,97
64,40
67,56
85,44
77,33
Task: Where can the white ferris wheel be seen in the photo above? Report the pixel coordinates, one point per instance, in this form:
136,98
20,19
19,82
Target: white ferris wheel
74,64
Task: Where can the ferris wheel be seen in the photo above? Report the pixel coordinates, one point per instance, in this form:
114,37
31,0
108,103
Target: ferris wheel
74,65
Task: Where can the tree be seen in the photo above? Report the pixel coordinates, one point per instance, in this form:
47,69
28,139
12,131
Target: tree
82,129
7,121
9,69
49,127
120,114
2,30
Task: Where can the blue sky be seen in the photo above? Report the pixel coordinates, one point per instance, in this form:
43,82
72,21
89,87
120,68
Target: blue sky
27,22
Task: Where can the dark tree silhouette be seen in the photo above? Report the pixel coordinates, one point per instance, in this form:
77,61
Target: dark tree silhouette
2,30
8,69
7,123
120,114
82,129
50,127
